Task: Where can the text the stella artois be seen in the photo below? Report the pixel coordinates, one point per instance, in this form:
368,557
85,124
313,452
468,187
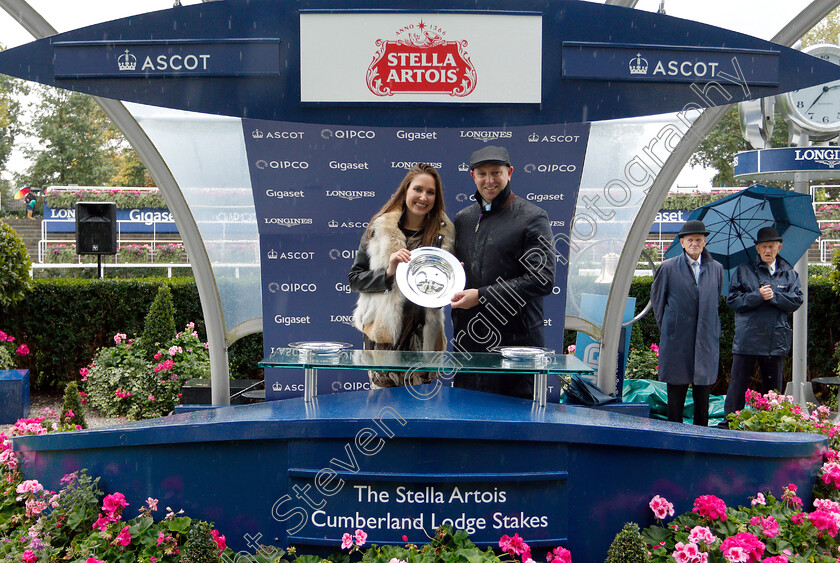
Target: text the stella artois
421,61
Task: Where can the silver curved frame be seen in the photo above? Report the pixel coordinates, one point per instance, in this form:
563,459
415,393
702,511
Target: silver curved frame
607,362
211,305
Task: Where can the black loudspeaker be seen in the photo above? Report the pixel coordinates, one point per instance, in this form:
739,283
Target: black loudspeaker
96,227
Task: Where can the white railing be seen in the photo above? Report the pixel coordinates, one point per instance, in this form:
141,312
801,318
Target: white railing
47,240
72,266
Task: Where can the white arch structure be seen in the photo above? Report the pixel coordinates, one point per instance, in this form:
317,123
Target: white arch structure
152,131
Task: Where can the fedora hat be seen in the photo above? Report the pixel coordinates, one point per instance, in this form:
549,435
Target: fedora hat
693,227
768,234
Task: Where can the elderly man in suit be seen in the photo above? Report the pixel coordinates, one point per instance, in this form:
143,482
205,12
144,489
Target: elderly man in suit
685,295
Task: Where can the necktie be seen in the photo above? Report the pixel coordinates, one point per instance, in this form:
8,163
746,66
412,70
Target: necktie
695,267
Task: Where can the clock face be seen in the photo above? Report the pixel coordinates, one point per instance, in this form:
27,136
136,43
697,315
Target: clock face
817,108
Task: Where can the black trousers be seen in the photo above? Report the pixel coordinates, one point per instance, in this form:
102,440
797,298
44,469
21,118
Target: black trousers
676,403
743,365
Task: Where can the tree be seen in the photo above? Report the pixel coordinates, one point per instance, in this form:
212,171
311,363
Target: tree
720,146
78,144
827,31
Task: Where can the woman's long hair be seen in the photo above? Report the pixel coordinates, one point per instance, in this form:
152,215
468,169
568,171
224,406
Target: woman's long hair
432,221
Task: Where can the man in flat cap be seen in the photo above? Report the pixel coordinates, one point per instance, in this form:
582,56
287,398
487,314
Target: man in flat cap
685,296
763,293
505,243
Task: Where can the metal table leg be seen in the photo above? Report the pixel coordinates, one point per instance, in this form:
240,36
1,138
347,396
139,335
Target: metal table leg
310,384
541,388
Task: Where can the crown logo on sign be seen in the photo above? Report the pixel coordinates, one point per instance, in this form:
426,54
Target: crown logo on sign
638,65
463,167
533,138
272,254
257,134
277,386
333,223
127,61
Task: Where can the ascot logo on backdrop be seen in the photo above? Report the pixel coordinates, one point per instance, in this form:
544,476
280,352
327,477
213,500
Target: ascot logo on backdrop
260,134
333,224
536,138
421,61
298,255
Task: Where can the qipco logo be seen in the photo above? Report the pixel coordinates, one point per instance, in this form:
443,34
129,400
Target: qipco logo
347,134
282,164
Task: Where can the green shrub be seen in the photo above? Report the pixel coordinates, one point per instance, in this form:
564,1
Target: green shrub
200,546
73,404
160,323
14,267
643,364
628,546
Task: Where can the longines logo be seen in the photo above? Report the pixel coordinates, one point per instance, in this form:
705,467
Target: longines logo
484,136
548,168
421,61
258,134
536,138
462,197
347,134
405,165
350,194
288,221
335,254
282,164
333,224
343,319
828,157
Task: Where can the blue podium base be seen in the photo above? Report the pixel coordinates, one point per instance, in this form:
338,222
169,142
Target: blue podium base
295,473
14,395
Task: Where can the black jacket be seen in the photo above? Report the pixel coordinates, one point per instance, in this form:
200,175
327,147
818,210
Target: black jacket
508,256
762,328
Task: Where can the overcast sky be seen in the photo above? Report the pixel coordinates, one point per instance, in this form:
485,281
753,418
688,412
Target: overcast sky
762,18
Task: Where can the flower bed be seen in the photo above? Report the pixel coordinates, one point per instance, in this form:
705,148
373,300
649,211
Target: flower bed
10,351
125,199
769,529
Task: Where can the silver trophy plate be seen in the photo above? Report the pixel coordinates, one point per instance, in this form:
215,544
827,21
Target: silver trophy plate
431,277
520,353
318,348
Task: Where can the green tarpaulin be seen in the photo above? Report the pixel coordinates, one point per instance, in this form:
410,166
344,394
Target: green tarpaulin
655,394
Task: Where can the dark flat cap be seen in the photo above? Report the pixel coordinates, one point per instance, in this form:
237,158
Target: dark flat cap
489,155
693,227
768,234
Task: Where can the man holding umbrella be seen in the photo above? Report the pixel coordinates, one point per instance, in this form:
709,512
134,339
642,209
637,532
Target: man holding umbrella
763,293
685,294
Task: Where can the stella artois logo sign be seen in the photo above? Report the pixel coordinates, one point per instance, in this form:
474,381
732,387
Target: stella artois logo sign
421,61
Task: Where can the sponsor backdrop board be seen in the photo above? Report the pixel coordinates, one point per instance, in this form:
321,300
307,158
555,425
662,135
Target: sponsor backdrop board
128,220
317,186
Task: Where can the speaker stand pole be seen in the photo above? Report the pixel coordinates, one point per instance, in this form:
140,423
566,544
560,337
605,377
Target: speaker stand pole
99,265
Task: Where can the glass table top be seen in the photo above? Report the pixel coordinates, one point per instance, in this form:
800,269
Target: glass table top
444,362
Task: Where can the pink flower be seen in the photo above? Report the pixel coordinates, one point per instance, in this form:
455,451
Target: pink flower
114,502
759,499
797,518
776,559
22,350
661,507
152,503
710,507
219,539
175,350
124,537
94,560
559,555
102,522
655,348
361,537
825,521
118,338
346,541
395,560
571,349
515,546
29,556
769,525
742,547
701,534
157,355
151,397
30,486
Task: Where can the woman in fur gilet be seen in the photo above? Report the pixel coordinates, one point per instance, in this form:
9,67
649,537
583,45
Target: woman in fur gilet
413,217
